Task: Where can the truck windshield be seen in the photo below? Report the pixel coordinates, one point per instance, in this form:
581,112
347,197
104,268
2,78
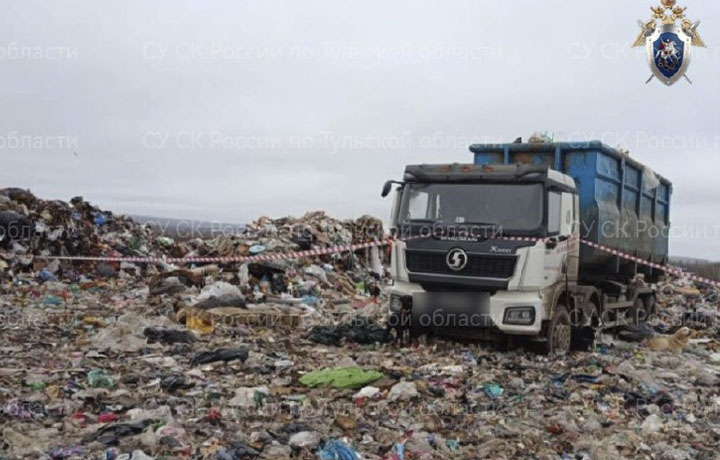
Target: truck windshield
507,207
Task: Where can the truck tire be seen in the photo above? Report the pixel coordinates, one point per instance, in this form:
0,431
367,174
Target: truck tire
558,333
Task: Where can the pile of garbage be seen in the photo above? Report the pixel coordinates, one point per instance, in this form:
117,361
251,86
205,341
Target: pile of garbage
290,359
31,226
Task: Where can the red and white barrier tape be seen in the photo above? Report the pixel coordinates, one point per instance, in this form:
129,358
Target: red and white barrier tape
256,258
354,247
666,268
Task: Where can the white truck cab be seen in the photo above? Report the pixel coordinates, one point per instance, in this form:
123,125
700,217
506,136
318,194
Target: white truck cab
483,250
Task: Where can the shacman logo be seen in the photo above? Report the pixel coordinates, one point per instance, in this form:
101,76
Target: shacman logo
669,44
456,259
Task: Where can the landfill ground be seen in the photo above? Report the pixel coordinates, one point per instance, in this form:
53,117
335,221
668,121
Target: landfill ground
290,359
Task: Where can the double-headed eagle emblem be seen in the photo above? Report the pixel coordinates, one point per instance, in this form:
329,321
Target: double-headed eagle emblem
668,43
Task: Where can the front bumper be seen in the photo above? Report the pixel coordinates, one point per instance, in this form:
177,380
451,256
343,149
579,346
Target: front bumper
470,310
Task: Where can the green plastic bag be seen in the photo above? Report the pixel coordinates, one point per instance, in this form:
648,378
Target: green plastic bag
99,379
344,377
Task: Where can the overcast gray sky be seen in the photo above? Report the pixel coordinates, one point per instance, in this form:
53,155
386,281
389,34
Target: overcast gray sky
227,110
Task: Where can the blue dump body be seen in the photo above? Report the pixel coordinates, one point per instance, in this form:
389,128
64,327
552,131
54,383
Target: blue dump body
617,208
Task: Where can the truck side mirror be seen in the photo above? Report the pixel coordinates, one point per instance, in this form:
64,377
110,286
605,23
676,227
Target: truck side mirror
386,189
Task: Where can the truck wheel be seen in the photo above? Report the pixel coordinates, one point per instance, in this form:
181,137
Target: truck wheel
558,333
638,314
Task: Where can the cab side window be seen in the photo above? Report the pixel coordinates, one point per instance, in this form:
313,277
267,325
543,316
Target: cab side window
553,212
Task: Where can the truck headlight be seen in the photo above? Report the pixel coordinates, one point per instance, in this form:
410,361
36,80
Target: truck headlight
523,316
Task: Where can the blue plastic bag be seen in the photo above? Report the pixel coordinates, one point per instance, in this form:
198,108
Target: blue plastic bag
337,450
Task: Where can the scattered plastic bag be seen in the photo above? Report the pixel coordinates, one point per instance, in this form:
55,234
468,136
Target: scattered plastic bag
335,449
346,377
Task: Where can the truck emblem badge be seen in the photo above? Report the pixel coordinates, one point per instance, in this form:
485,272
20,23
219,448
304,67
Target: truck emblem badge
498,250
669,44
456,259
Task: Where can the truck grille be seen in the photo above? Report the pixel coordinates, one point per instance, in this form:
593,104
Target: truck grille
479,265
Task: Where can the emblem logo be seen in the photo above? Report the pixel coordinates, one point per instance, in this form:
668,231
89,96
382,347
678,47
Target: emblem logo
456,259
668,43
496,249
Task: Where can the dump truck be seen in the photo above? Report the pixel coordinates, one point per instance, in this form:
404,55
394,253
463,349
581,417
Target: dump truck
541,241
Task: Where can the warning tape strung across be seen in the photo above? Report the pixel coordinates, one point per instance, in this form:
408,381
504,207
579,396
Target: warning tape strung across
666,268
337,249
